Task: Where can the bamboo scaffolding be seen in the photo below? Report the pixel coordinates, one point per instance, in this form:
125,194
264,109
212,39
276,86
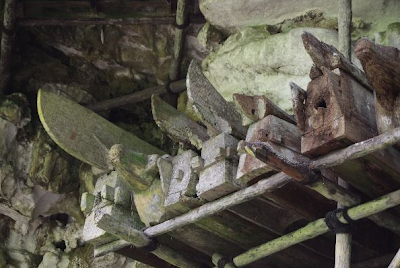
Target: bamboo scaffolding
313,230
343,241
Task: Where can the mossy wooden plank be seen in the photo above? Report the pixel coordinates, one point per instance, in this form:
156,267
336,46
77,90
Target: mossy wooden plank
177,125
84,134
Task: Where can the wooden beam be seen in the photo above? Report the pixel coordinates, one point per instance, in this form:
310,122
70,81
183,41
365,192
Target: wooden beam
379,262
257,107
7,44
177,125
312,230
381,64
218,115
326,188
324,55
161,20
179,40
133,98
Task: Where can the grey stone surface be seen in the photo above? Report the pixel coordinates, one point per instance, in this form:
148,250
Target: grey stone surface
254,62
231,15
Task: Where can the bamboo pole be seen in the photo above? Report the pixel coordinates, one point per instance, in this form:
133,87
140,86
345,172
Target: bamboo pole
396,261
7,42
181,19
133,98
162,20
357,150
343,241
314,229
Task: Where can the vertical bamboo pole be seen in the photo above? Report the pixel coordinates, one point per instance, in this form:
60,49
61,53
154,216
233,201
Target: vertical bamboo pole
343,241
396,261
181,19
7,40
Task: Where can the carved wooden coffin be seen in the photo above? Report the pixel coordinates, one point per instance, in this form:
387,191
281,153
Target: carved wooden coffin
338,111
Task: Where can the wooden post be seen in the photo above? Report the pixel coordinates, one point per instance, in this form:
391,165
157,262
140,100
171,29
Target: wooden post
7,41
396,261
181,20
343,241
313,230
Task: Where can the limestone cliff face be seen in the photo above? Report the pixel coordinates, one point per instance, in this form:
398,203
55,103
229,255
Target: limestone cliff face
263,52
253,47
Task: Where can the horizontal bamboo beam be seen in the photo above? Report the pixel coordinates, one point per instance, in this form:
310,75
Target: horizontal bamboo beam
315,229
162,20
133,98
211,208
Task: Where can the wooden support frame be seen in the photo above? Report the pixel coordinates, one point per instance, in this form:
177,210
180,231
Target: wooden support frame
312,230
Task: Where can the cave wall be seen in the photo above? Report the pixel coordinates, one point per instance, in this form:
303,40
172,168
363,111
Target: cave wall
250,46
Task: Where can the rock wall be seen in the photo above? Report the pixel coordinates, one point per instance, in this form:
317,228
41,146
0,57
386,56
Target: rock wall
263,50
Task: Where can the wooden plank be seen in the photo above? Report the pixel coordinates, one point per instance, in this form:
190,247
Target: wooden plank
215,112
102,9
177,125
84,134
272,129
179,40
324,55
299,97
7,43
257,107
314,229
381,63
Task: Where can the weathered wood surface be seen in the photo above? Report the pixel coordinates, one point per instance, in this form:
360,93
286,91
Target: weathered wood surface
128,228
379,262
382,66
322,186
100,9
299,97
177,125
133,98
395,263
179,40
357,150
257,107
338,110
84,134
73,21
315,229
221,204
324,55
7,44
215,112
217,175
270,128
